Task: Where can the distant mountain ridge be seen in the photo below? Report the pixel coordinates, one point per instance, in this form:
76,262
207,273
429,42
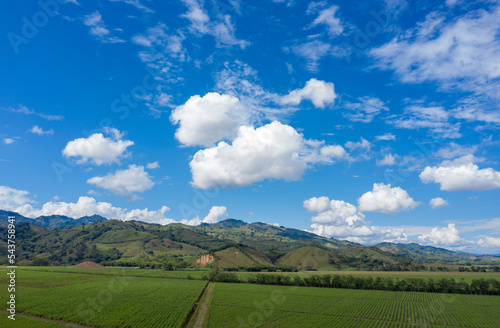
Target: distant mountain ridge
52,221
431,254
64,240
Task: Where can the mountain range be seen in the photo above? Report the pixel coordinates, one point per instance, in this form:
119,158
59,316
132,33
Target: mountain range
230,243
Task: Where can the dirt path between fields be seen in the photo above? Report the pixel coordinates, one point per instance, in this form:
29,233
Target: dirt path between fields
61,322
202,307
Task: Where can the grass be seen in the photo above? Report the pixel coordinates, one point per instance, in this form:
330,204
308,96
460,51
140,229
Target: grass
105,301
242,305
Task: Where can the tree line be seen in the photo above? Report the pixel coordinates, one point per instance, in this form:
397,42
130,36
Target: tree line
443,285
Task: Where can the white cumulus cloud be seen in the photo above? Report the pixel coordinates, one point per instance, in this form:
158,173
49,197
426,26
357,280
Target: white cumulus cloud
337,218
388,160
386,200
320,93
446,236
461,174
272,151
208,119
438,203
490,242
20,202
98,149
215,214
125,182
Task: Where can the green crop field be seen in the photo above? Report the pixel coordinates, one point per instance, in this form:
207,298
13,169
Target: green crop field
242,305
199,273
113,271
114,298
103,301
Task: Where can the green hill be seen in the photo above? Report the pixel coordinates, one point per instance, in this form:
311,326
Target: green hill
232,243
310,257
233,257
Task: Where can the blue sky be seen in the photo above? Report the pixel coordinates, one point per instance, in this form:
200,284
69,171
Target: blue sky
368,121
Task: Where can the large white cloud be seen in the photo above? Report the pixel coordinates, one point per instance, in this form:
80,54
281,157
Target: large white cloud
125,182
320,93
442,236
273,151
387,200
98,149
461,174
208,119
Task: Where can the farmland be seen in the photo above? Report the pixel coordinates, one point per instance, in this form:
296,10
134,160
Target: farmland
113,298
243,276
241,305
152,273
105,301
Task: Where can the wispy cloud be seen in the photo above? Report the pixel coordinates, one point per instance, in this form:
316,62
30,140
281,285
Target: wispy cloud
365,109
137,4
433,118
98,29
24,110
220,26
38,130
460,52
